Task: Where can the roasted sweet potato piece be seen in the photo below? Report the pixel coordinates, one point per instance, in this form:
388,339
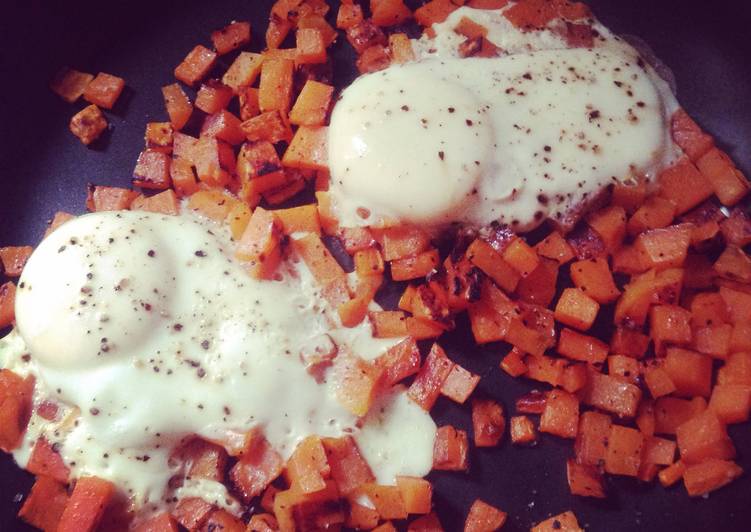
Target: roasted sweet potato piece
708,476
46,461
312,105
387,500
308,149
152,170
450,450
88,124
14,259
86,505
348,468
243,71
623,455
417,494
70,84
488,422
165,202
311,47
728,183
427,385
584,480
359,383
271,126
689,136
225,126
261,244
159,136
275,90
483,517
684,185
595,279
704,437
178,105
364,35
611,394
348,16
591,438
577,309
400,48
561,414
564,522
231,37
582,347
434,11
104,90
45,504
196,65
256,469
15,400
522,430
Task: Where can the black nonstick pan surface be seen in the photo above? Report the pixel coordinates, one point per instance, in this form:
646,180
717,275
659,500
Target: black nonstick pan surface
43,168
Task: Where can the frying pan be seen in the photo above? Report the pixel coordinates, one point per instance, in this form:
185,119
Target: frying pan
45,169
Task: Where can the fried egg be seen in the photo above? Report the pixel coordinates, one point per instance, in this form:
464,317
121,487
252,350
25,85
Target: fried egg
529,135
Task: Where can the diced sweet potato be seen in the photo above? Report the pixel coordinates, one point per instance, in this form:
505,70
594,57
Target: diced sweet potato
15,402
225,126
45,504
86,505
595,279
152,170
416,494
564,522
689,136
256,469
561,414
488,422
684,185
260,244
104,90
427,385
704,437
88,124
450,450
623,455
708,476
584,480
165,202
483,517
14,258
178,105
728,183
522,430
196,65
243,71
70,84
231,37
308,149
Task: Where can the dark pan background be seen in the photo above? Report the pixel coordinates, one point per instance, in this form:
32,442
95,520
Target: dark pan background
43,168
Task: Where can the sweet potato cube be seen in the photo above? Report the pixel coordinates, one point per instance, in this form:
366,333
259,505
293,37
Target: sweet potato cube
434,11
348,468
308,467
731,402
389,12
555,247
243,71
658,380
728,183
684,185
225,126
260,244
231,37
664,248
183,177
400,48
196,65
417,494
414,267
703,437
689,136
178,105
312,105
348,16
212,159
165,202
387,500
483,517
708,476
275,90
482,255
610,224
271,126
629,342
584,480
623,455
86,505
595,279
152,170
592,437
104,90
14,258
213,96
654,213
577,346
318,259
308,149
459,384
399,361
669,324
520,256
488,422
561,414
690,372
576,309
427,384
159,136
611,394
450,450
88,124
70,84
358,384
522,430
311,47
45,504
249,107
564,522
256,469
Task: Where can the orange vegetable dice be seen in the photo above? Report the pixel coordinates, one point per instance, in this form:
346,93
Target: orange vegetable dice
387,500
731,402
260,244
399,361
611,394
522,430
178,105
348,16
584,480
86,505
104,90
417,494
45,504
689,136
152,170
703,437
591,438
275,90
690,372
450,450
308,149
389,12
728,183
358,384
225,126
311,47
577,346
70,84
459,384
256,469
520,256
561,414
213,96
88,124
595,279
708,476
427,384
312,105
196,65
483,517
488,422
564,522
684,185
664,248
243,71
14,258
348,468
623,456
231,37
